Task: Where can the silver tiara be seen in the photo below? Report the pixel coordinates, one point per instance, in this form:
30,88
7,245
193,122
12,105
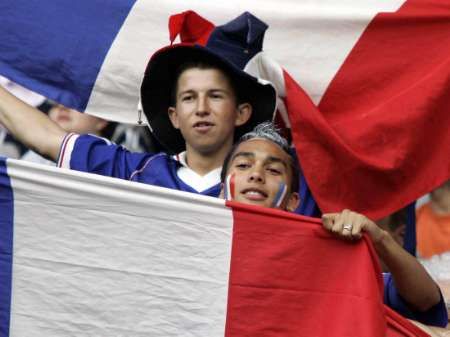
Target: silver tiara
267,130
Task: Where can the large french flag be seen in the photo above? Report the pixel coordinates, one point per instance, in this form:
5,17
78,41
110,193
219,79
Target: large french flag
367,90
86,255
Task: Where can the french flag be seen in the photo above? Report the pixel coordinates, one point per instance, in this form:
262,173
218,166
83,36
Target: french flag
366,88
86,255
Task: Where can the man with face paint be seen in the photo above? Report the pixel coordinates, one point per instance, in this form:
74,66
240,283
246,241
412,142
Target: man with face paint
260,170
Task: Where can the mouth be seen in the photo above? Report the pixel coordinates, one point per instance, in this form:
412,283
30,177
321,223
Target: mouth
254,194
203,126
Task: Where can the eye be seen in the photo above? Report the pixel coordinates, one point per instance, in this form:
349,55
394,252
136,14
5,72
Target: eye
216,95
242,165
274,171
187,98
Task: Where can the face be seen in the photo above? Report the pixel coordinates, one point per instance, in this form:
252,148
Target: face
261,171
206,111
73,121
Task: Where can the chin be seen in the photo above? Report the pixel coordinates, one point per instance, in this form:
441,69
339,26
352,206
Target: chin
254,202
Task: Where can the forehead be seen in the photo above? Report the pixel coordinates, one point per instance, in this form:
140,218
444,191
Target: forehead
194,78
263,149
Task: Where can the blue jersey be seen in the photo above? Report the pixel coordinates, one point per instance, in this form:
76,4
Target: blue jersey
436,315
97,155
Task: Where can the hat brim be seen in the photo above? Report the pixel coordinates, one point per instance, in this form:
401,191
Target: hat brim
159,81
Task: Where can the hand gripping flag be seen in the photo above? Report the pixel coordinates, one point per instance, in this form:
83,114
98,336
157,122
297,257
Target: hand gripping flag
83,254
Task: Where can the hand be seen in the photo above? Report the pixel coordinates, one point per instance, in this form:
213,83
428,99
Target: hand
350,225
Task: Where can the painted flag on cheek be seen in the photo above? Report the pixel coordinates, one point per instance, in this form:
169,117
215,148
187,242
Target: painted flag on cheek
82,254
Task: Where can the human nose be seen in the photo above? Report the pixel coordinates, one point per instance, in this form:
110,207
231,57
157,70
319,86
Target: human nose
202,106
256,174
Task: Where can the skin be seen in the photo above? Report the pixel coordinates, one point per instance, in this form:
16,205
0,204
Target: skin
256,183
440,199
413,283
206,113
259,167
38,131
30,126
74,121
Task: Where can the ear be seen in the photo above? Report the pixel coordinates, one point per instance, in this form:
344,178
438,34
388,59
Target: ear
244,112
173,116
293,201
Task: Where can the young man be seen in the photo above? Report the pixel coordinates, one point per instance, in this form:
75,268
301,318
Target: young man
260,170
196,100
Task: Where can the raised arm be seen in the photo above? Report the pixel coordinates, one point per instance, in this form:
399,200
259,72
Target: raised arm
30,126
413,282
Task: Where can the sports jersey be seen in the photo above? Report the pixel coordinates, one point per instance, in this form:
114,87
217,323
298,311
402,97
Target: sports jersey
93,154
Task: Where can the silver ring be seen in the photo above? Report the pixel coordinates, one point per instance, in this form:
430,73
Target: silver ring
348,227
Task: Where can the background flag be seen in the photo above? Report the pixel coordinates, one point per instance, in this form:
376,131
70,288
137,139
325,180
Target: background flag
378,71
91,55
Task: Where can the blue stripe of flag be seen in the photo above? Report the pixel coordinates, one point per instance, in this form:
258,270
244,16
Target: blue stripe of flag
56,48
6,247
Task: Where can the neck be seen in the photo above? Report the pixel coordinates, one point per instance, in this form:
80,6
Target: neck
440,199
203,163
441,207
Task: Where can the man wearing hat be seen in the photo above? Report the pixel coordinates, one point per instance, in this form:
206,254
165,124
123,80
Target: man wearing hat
197,99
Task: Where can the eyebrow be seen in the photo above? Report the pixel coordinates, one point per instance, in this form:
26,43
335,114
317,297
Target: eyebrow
270,159
242,154
190,91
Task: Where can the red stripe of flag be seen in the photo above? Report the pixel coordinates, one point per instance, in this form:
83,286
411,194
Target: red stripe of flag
380,138
289,277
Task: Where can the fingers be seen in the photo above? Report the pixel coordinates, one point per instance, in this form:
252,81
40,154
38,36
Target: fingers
357,229
328,220
347,224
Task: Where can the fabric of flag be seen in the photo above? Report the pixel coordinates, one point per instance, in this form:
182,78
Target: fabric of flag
91,55
379,138
377,70
82,254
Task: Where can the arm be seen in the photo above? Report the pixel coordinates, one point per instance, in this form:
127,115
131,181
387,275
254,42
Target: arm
411,279
33,128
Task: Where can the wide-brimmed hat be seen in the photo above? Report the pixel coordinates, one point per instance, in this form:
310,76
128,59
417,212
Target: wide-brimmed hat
229,47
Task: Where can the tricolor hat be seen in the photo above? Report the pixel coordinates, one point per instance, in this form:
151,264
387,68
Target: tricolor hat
229,47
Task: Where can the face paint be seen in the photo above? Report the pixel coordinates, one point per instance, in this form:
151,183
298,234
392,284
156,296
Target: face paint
282,190
229,187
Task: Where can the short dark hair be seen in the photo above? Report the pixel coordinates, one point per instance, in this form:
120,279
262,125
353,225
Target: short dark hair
266,131
204,65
